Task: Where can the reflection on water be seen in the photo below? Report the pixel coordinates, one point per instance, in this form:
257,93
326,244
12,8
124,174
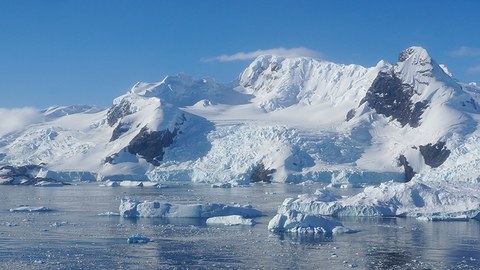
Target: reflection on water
75,237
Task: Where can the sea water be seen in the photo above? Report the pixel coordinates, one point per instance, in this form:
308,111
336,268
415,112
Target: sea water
74,236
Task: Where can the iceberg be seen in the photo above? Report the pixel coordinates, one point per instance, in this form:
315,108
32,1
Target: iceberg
296,222
230,220
134,208
431,200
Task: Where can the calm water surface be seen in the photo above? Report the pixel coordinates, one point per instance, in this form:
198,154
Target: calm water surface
74,236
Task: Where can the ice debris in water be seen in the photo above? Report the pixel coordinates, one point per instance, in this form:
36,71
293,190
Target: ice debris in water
230,220
134,208
128,183
49,184
30,209
8,224
110,214
222,185
138,239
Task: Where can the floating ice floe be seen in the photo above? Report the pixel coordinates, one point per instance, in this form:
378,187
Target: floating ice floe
8,224
128,183
111,184
30,209
138,239
134,208
109,214
425,200
296,222
230,220
49,184
221,185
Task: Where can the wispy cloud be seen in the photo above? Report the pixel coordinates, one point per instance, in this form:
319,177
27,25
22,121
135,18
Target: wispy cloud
15,119
466,51
475,69
241,56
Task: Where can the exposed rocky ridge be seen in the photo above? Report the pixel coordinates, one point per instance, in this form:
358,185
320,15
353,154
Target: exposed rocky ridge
434,154
391,97
262,174
409,173
118,111
119,130
150,145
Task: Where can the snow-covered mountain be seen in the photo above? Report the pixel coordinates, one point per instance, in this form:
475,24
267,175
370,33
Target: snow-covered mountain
285,119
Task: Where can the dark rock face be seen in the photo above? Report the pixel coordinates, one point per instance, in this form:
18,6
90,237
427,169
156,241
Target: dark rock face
119,131
261,174
110,159
351,114
472,102
434,154
150,144
118,111
409,173
389,96
403,56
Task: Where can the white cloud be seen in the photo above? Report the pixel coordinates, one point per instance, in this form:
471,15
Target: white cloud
475,69
292,52
466,51
15,119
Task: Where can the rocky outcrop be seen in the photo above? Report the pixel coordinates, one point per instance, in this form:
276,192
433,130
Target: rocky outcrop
350,114
434,154
117,112
119,130
150,145
409,173
390,97
262,174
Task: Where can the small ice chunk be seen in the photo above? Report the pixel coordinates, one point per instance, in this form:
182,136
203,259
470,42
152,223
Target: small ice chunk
138,239
112,184
8,224
151,184
131,183
30,209
230,220
221,185
49,184
444,217
111,214
58,224
128,183
342,230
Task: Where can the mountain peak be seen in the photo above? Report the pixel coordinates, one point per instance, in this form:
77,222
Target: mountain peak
415,55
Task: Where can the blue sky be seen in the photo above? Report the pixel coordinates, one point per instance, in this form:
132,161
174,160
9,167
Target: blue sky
62,52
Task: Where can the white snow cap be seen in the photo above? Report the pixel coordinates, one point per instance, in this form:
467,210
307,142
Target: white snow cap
416,55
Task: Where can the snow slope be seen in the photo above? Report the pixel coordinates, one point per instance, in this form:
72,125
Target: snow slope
286,119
